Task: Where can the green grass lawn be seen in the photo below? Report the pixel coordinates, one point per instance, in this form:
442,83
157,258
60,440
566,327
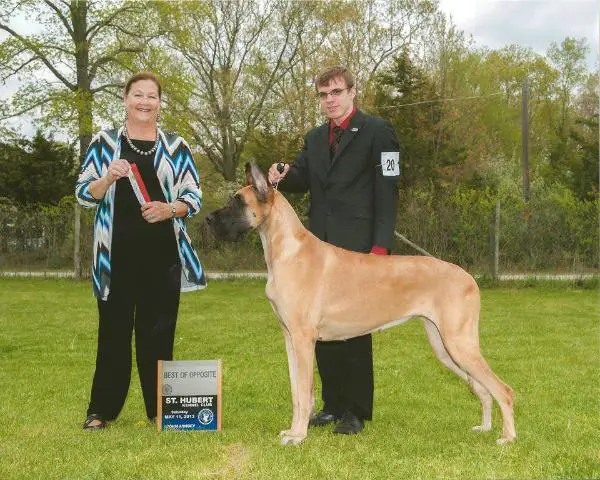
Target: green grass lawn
543,342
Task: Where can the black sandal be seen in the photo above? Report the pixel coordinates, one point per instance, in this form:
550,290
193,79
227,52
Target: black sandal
94,416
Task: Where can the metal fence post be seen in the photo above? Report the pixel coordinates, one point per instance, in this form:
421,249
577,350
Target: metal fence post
496,271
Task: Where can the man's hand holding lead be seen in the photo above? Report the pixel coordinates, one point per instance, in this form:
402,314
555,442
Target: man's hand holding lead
275,176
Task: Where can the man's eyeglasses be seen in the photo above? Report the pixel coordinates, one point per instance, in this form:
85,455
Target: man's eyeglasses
336,92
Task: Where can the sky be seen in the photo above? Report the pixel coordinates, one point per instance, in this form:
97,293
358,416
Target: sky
491,23
529,23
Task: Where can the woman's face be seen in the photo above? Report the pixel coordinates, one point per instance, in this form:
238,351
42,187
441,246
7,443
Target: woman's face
142,102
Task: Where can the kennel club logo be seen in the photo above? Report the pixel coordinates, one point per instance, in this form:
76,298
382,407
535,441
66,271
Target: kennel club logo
206,416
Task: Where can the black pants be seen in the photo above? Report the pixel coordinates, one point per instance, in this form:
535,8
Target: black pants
346,371
144,299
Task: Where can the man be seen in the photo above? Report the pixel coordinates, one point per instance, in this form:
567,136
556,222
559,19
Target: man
350,166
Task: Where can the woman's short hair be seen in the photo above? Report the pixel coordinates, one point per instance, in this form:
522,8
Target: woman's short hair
144,76
330,73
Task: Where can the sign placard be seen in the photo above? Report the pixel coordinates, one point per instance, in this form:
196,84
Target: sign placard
390,164
189,395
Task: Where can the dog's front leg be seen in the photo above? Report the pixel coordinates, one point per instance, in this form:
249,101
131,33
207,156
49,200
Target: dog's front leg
300,348
292,369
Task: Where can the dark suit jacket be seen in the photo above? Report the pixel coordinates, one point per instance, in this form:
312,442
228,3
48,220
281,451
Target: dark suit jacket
352,204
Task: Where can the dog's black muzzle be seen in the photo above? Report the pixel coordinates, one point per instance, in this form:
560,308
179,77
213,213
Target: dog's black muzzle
227,225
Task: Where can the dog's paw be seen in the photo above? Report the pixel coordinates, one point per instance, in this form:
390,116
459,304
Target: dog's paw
481,428
290,439
505,440
283,433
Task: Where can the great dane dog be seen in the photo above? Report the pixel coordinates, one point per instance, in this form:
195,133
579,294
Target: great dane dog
321,292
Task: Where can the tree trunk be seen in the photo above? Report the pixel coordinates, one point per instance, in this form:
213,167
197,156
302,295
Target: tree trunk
229,168
85,120
77,241
84,141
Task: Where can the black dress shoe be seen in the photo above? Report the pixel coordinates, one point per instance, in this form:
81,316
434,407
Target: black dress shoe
349,424
322,418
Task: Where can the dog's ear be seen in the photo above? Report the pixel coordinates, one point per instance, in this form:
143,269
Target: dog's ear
257,179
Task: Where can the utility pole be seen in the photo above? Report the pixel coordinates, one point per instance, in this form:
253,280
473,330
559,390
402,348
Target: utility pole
525,159
525,141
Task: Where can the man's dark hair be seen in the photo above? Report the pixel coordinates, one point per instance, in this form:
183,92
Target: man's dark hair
330,73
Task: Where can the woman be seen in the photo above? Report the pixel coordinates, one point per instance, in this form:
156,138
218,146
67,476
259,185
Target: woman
142,254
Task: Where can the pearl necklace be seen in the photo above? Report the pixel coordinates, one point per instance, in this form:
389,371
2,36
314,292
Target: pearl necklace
137,150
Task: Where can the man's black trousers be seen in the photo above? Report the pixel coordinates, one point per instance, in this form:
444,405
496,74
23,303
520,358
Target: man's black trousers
346,371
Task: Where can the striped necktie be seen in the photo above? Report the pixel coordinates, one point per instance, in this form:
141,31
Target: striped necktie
337,135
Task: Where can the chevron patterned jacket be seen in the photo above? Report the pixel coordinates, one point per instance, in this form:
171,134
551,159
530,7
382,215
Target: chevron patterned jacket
179,180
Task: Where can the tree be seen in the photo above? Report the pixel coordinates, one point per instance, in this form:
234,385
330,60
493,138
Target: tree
452,130
232,54
568,58
400,88
77,57
584,166
37,171
365,35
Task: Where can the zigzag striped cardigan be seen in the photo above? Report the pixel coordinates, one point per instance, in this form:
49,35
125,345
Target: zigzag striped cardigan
179,180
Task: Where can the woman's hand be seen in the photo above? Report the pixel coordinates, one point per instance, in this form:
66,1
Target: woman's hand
117,169
154,212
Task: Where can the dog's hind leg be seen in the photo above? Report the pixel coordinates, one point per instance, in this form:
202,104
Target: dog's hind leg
444,357
464,350
487,401
439,349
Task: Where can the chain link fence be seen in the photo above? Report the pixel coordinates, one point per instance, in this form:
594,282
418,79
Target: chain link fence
487,233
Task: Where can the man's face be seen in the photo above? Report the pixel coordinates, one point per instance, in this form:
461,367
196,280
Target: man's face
337,100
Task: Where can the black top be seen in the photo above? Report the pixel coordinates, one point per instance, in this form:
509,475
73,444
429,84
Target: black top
135,241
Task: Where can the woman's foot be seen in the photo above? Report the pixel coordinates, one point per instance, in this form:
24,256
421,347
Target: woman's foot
94,422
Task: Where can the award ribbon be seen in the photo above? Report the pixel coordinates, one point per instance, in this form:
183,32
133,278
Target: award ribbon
139,188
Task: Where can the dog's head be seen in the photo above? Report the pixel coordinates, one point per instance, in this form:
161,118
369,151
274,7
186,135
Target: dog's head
247,209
